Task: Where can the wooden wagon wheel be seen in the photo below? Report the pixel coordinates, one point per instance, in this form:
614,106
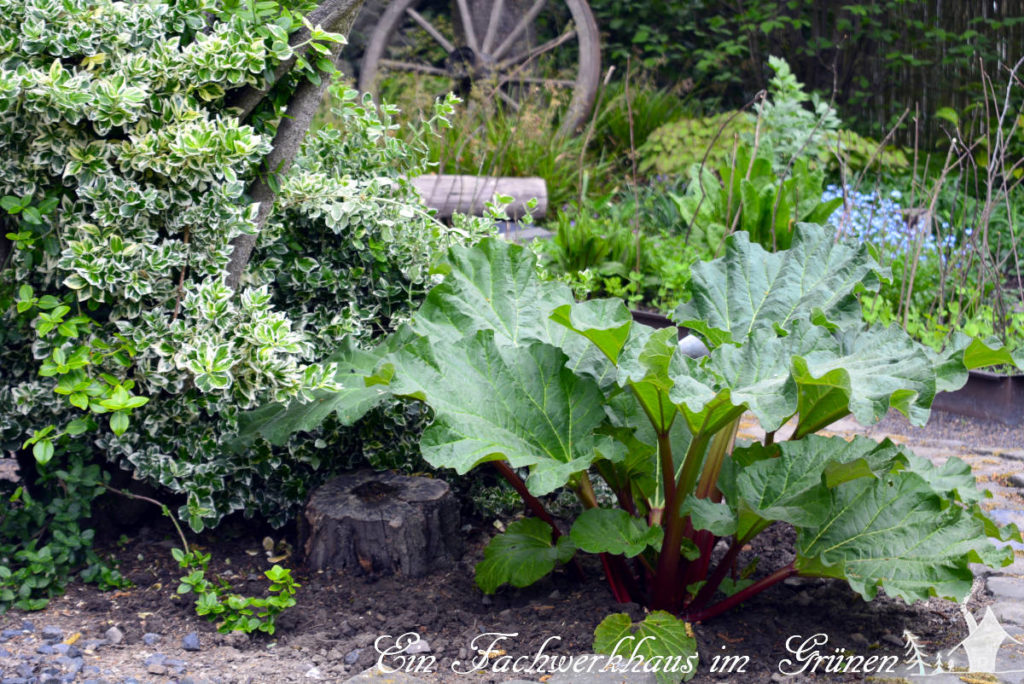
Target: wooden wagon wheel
504,50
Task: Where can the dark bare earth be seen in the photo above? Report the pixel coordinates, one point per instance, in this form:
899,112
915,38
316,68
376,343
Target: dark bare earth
330,634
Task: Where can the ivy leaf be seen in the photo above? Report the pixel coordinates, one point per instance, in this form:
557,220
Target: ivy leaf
604,530
521,555
663,641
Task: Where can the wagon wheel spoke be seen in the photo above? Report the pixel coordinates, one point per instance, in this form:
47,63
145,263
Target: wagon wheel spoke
539,50
514,34
492,25
398,65
467,26
429,28
507,99
560,82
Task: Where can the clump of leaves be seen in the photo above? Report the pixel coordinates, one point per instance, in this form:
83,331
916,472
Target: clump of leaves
747,194
232,611
42,545
521,376
676,146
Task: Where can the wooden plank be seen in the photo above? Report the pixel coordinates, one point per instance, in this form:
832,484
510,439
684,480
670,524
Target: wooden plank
449,194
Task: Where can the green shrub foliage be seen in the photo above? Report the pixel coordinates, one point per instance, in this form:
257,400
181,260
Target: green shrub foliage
126,164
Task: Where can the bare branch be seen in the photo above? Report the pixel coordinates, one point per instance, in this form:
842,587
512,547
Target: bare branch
6,249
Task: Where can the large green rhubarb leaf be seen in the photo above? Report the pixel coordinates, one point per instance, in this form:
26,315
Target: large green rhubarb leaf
493,402
791,481
898,534
751,288
649,360
492,286
605,322
962,354
664,642
521,555
863,373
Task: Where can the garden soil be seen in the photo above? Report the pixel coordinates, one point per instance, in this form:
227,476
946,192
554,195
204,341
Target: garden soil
330,635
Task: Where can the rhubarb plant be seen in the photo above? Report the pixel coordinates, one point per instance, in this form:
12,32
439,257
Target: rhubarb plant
557,393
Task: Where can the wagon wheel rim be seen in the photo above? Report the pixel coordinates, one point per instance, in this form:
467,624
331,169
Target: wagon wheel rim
500,66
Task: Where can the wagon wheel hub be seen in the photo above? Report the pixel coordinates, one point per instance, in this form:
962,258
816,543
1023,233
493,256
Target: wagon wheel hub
512,52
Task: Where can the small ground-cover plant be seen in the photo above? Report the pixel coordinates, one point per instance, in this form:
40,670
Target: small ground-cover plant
217,602
519,375
42,543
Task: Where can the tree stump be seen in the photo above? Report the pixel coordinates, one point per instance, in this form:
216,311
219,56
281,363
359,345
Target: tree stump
383,524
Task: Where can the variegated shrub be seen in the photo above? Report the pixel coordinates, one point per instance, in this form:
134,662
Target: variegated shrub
142,146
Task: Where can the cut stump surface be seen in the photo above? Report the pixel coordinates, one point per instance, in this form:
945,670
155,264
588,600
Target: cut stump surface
383,524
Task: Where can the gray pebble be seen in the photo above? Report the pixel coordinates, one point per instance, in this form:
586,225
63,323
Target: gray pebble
150,639
352,656
71,665
10,633
155,659
93,644
45,649
51,633
28,626
486,600
420,646
859,640
4,653
191,642
156,669
893,639
14,680
113,636
555,595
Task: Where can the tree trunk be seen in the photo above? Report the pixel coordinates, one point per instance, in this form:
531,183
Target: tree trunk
382,524
336,16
